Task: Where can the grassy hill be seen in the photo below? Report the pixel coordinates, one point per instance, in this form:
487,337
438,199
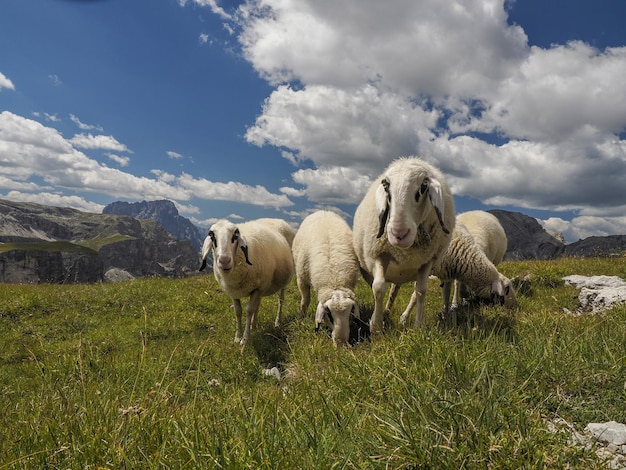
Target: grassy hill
145,374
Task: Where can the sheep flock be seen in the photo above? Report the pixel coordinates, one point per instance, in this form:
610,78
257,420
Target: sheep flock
404,230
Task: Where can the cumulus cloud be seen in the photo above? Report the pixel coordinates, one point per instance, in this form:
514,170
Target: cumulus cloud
174,155
28,150
83,126
358,83
120,160
54,199
104,142
6,83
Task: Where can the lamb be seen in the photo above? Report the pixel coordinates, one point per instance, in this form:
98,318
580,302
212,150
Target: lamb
325,260
263,266
490,237
411,205
466,262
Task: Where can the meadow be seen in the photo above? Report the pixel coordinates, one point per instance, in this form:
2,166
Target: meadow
145,374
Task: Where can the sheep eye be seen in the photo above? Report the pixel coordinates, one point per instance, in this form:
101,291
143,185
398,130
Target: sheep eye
385,183
235,236
422,190
212,235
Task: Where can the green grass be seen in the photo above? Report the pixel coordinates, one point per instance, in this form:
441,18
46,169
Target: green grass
145,374
54,246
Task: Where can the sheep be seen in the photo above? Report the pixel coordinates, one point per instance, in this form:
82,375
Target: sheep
464,261
281,226
490,237
325,260
411,205
263,266
487,232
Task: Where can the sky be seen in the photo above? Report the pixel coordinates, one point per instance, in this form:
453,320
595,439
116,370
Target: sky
276,108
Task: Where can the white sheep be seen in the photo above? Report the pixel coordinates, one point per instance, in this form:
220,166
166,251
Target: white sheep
464,261
249,260
325,261
490,237
281,226
411,205
487,232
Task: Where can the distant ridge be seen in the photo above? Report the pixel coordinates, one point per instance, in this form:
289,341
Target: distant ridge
163,212
61,245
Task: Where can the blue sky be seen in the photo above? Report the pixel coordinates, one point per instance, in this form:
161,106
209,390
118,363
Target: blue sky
277,108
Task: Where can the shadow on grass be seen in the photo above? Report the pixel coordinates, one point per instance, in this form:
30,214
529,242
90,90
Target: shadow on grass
476,317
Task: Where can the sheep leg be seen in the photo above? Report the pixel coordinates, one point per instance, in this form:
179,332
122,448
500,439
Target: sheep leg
237,305
281,301
421,285
393,293
407,311
456,294
251,310
379,286
305,296
445,291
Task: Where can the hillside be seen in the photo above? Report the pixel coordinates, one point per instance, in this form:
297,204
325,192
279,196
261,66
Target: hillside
163,212
51,244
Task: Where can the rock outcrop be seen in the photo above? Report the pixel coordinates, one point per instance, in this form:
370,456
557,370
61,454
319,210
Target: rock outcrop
50,244
163,212
527,239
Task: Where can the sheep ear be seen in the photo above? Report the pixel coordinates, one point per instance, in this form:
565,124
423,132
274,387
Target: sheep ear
319,314
382,206
244,247
356,313
435,194
207,247
496,286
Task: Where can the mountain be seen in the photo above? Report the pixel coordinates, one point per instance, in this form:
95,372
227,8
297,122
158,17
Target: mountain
52,244
165,213
527,239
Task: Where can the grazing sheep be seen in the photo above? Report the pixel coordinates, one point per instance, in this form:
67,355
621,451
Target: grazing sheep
281,226
325,260
262,266
401,229
490,237
487,232
465,261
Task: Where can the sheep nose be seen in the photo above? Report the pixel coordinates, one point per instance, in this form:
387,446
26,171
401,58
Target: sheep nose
223,262
399,234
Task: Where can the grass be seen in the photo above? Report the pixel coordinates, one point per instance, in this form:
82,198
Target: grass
145,374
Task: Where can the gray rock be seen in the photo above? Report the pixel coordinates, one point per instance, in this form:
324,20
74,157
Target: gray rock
527,239
611,432
598,293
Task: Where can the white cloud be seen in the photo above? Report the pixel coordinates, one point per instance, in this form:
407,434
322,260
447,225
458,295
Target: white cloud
56,81
83,126
585,226
358,83
212,4
333,185
121,161
6,83
174,155
54,199
104,142
29,150
203,38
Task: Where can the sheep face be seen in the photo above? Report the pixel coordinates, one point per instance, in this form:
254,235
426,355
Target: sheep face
403,202
338,310
223,240
510,300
